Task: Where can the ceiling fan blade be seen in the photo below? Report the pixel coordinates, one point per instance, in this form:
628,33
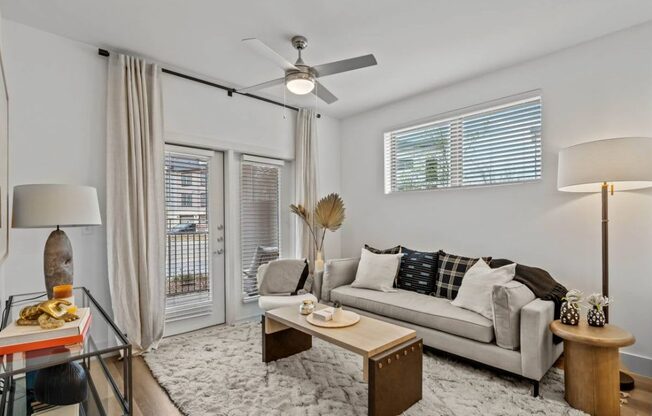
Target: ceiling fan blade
269,53
261,86
323,93
344,65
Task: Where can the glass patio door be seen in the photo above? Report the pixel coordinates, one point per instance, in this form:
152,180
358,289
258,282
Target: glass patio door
194,244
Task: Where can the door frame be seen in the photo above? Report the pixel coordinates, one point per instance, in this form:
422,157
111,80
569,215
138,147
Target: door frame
213,313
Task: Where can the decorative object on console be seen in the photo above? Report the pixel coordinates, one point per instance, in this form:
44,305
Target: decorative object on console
49,205
377,271
393,250
418,271
598,303
62,384
52,313
606,166
451,272
307,307
329,216
569,313
475,292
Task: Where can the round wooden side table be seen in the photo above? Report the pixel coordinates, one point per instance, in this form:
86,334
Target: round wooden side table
591,365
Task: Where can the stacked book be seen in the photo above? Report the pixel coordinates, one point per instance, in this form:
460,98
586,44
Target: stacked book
17,338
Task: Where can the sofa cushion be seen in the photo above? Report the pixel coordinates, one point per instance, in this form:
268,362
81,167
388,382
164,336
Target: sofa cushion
423,310
393,250
451,270
507,301
377,271
418,271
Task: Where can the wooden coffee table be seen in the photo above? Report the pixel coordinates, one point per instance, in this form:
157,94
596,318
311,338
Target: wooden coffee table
392,355
591,365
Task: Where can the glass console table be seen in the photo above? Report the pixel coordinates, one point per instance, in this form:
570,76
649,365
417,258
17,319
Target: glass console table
109,383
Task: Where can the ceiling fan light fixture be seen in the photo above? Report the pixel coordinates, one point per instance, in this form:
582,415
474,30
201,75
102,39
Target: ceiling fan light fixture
300,83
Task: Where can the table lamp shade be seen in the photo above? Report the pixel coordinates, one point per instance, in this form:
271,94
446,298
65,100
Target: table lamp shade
624,162
50,205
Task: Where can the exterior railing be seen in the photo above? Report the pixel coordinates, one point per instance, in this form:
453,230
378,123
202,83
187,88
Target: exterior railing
187,263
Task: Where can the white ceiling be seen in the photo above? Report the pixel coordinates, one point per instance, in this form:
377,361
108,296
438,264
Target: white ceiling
419,44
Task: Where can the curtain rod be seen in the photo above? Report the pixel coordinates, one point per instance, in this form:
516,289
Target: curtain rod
230,91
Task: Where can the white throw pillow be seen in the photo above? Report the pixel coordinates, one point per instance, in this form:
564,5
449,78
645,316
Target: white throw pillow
377,271
477,284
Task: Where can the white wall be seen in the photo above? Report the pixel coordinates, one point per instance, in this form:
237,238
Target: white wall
597,90
57,134
57,126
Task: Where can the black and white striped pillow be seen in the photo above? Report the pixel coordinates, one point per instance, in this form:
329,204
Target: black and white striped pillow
451,270
418,271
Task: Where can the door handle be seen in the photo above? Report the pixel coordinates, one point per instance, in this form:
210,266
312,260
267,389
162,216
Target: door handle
219,251
220,227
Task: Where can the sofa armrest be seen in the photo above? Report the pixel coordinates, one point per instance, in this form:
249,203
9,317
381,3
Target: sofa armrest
337,272
538,353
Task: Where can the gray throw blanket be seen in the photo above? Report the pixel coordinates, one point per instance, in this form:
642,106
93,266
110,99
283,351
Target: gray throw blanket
539,282
282,277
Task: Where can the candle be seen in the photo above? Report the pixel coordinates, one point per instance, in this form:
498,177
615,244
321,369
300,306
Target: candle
64,292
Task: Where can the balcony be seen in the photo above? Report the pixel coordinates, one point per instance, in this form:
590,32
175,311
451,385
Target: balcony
187,262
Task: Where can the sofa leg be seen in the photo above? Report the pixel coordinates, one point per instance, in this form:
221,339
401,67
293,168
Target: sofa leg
535,388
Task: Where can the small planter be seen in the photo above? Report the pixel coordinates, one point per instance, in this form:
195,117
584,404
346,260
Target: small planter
595,317
569,314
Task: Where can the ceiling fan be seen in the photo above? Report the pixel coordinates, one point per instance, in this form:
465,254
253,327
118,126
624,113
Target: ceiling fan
300,78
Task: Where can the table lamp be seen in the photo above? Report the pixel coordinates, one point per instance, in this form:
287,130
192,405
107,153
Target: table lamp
50,205
607,166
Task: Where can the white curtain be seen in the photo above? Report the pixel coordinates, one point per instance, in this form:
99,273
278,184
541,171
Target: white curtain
135,199
306,178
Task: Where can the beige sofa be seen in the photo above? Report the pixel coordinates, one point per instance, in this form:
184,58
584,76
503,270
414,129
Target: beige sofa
517,341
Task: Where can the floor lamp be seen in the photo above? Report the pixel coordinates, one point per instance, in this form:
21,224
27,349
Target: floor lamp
605,166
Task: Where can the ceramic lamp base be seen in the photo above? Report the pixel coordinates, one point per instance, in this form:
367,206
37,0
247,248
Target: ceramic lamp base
57,261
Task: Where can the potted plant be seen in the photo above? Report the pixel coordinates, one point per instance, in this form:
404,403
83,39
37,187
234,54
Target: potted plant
337,310
570,310
328,215
596,317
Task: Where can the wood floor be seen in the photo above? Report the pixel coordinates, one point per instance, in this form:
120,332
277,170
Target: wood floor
151,400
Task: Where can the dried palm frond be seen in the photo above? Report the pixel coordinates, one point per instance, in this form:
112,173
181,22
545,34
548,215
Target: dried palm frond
300,211
329,212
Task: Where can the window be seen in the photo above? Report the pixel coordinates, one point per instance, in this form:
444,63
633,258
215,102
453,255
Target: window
492,145
259,218
186,200
186,248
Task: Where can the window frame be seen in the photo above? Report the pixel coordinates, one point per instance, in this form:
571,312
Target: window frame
455,119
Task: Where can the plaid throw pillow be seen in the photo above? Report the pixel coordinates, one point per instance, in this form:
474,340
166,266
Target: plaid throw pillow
393,250
418,271
451,271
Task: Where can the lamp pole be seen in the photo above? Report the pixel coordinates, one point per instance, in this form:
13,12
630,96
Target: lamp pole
605,244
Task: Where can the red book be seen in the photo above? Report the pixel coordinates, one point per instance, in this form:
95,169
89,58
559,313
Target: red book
16,338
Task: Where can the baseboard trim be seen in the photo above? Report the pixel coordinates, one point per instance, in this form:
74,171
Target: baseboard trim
637,363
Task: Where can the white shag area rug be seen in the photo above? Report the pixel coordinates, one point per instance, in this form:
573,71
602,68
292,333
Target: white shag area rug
219,371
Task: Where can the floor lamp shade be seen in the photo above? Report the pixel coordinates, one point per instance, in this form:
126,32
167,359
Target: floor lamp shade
625,163
50,205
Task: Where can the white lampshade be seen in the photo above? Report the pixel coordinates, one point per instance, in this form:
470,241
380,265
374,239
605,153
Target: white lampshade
624,162
49,205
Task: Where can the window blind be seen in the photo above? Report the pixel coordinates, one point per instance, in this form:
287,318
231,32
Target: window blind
500,144
259,220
